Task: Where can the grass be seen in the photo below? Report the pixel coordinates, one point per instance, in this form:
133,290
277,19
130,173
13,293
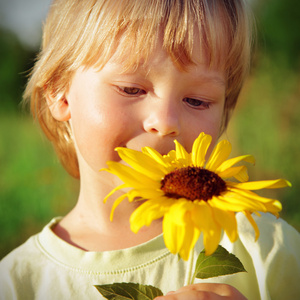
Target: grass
34,187
266,124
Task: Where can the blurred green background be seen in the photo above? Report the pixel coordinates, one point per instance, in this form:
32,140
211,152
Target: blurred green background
34,187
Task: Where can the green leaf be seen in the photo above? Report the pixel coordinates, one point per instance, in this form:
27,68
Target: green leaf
133,291
221,262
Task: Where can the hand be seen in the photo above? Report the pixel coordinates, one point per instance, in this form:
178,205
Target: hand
204,291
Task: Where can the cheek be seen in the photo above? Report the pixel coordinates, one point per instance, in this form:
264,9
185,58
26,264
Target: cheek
209,124
214,131
98,131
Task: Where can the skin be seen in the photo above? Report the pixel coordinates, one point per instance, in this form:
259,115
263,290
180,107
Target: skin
204,291
150,107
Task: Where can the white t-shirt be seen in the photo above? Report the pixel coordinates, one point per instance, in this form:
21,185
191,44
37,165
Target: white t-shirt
46,267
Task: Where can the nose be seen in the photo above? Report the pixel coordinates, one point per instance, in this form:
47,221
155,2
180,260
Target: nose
163,119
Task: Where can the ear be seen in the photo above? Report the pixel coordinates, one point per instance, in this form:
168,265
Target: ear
59,107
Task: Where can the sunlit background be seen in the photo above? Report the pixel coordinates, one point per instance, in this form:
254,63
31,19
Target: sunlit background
34,187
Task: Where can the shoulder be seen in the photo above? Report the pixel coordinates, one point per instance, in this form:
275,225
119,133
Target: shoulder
21,255
275,255
21,267
275,234
16,267
28,253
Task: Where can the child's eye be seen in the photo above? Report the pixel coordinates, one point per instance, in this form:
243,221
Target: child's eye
131,90
196,103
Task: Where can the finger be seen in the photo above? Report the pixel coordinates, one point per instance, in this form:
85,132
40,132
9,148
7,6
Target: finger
203,291
217,288
191,295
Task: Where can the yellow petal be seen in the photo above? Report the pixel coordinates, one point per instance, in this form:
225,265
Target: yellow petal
114,190
240,173
254,225
129,176
250,195
142,163
219,155
182,154
230,162
246,202
263,184
149,193
178,237
274,207
237,202
211,240
202,216
116,203
173,233
242,176
224,203
148,212
227,220
155,155
173,162
200,148
135,195
179,209
191,235
170,157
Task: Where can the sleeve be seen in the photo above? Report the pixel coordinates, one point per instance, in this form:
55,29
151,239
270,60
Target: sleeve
283,276
16,273
8,285
276,258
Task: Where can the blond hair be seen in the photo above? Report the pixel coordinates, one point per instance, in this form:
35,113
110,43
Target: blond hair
90,32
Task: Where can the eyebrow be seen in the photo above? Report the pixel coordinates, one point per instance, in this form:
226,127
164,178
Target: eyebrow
197,80
207,79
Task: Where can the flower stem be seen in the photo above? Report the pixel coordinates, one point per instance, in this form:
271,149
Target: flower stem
191,277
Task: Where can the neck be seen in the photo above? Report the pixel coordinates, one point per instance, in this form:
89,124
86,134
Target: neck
88,225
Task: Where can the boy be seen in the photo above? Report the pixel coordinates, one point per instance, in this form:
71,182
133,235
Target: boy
132,74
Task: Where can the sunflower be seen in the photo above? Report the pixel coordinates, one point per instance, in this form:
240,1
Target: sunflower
191,195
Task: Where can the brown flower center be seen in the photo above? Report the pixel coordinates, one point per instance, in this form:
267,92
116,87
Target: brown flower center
192,183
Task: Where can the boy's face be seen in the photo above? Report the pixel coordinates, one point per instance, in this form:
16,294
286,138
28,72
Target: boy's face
150,107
